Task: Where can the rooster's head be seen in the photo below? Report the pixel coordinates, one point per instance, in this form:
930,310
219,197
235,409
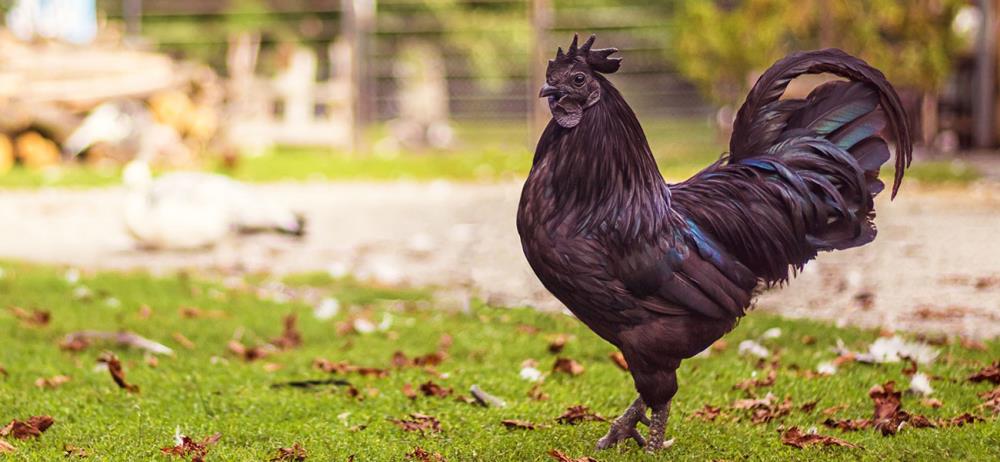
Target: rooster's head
571,83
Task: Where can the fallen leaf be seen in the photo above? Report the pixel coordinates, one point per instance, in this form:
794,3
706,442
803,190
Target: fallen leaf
295,453
34,318
963,419
765,409
720,345
707,413
972,344
536,393
117,373
187,447
520,424
422,455
52,382
430,388
567,366
248,353
795,438
577,414
74,451
561,457
31,428
808,340
3,371
888,409
910,368
848,425
991,400
77,341
557,343
418,422
834,409
808,406
191,312
290,336
183,341
152,361
989,373
766,381
931,403
409,392
345,368
527,329
6,448
619,359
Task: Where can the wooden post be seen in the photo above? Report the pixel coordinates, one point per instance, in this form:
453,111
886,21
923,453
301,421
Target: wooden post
541,21
985,80
358,25
132,12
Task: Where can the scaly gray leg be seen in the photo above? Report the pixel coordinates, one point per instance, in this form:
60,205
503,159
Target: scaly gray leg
623,427
657,427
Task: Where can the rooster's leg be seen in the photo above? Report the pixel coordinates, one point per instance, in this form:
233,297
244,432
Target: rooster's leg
657,427
623,427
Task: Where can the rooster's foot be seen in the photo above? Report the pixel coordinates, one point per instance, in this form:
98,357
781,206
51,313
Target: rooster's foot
657,427
623,427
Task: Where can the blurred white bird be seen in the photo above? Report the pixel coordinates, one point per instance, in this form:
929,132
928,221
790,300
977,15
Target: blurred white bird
190,210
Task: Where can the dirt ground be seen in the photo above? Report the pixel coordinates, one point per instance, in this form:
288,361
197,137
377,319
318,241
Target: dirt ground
935,266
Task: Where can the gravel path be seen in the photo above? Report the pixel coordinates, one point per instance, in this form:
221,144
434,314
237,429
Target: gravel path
935,266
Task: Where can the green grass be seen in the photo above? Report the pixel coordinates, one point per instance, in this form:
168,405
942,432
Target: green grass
235,398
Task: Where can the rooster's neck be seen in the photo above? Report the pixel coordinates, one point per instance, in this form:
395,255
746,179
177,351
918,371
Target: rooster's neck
604,165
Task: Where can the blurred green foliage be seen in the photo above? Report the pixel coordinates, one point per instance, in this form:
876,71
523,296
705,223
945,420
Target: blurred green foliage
721,44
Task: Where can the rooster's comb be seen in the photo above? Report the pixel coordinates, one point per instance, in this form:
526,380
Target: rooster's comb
597,59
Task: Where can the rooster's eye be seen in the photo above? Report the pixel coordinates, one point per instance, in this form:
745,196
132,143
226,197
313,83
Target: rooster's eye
578,79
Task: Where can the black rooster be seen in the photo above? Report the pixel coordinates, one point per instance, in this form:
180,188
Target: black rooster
663,270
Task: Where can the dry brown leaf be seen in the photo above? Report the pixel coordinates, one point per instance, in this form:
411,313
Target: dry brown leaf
567,366
619,359
834,409
972,344
719,345
409,392
931,403
562,457
191,312
577,414
766,381
520,424
962,419
808,340
707,413
536,393
418,422
808,407
795,438
290,336
33,318
249,353
848,425
991,400
888,408
191,448
989,373
326,365
557,343
295,453
420,454
183,341
3,371
117,372
52,382
6,448
765,409
31,428
430,388
74,451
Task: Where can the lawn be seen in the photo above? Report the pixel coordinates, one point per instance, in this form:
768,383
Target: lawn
485,152
205,388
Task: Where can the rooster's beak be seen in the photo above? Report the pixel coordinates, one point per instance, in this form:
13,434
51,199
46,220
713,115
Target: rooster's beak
548,90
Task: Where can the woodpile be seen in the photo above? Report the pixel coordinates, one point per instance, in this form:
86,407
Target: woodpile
103,104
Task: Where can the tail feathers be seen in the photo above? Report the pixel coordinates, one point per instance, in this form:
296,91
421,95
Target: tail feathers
837,109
